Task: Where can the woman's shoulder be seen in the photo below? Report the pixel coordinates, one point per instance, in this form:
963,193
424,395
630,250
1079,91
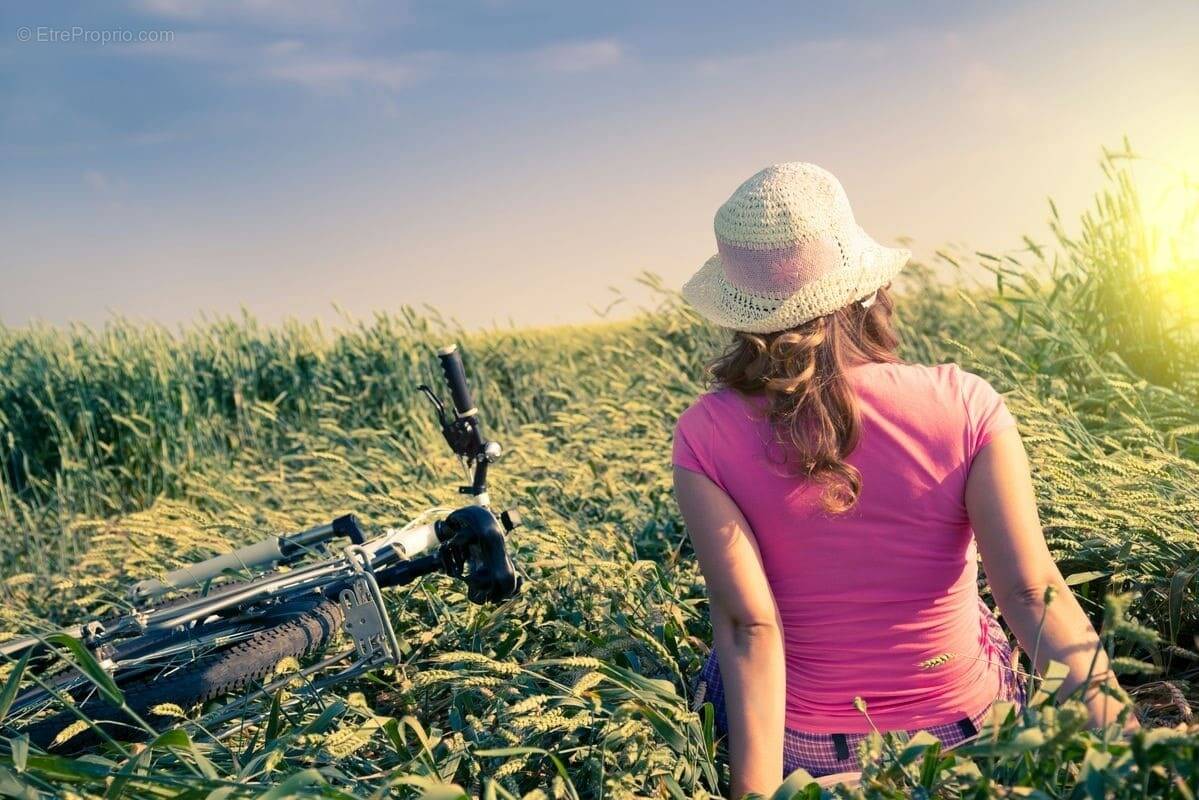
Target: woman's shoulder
713,407
946,378
944,392
701,408
709,420
958,382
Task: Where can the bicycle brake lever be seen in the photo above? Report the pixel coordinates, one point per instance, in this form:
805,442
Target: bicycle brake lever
437,404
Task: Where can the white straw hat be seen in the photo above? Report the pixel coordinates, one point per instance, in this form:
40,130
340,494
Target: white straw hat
789,251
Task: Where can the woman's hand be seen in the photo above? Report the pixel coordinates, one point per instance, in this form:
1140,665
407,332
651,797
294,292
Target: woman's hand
746,627
1028,587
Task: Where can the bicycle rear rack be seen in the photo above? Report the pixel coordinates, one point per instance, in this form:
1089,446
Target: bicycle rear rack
366,620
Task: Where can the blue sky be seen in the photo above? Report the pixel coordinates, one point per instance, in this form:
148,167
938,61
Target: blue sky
509,160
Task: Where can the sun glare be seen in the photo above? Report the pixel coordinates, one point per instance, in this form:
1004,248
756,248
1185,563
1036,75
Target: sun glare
1174,223
1170,204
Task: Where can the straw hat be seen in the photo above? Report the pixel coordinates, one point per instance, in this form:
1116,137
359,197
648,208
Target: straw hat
789,251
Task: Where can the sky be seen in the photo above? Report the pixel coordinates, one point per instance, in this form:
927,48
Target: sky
511,162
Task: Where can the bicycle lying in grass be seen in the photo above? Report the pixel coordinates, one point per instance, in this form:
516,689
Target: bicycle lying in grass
205,630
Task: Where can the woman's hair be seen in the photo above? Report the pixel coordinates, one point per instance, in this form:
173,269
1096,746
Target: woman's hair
812,407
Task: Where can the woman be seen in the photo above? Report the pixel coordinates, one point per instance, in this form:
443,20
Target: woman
837,499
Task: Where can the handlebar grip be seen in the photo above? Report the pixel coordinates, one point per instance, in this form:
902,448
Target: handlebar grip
455,378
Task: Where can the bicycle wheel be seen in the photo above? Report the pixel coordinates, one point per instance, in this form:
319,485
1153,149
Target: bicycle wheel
293,629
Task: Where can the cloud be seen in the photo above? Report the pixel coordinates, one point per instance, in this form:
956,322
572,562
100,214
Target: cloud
330,74
581,56
992,94
152,137
334,46
317,67
800,51
190,45
96,180
320,14
284,46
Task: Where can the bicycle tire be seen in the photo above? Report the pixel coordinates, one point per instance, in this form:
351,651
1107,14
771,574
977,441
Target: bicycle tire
305,626
155,606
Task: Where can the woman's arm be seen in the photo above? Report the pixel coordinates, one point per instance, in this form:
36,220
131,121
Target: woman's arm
1021,571
745,624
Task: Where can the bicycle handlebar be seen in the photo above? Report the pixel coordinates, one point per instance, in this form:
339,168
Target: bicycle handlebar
455,378
475,538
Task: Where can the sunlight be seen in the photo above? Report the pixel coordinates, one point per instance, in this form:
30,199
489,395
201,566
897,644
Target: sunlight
1170,207
1174,225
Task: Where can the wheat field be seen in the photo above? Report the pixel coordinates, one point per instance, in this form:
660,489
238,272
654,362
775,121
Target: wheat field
129,450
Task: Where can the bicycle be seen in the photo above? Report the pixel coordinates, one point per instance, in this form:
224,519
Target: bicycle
220,635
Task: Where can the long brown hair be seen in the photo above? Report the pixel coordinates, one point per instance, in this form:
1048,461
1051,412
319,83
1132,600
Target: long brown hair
812,407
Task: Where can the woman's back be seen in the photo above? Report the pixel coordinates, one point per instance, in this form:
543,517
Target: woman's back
868,597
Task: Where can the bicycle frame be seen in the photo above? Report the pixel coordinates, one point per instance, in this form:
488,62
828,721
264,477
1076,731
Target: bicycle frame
274,550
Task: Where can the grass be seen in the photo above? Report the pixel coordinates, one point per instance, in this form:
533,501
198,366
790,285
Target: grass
131,449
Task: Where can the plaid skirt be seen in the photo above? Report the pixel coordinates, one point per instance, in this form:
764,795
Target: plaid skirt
829,753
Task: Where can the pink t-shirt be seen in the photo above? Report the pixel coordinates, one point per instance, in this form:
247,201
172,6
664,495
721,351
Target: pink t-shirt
866,596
